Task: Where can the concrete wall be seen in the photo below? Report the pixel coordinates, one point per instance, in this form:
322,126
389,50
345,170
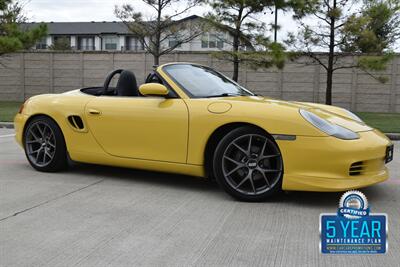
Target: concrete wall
25,74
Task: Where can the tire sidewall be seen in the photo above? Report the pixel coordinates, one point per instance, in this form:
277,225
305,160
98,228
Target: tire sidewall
218,172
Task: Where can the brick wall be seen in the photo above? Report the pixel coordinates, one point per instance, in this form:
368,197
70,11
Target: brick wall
25,74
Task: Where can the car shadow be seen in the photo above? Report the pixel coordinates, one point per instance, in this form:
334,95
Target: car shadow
328,199
196,184
183,182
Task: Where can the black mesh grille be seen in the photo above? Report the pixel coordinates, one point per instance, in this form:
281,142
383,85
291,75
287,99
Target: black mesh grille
356,168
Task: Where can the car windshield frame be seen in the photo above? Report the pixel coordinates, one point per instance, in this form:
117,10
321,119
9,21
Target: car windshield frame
244,91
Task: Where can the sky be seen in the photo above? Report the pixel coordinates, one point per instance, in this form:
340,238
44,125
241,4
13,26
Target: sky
102,10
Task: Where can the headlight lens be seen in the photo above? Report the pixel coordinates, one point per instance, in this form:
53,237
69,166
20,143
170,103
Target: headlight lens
354,116
327,127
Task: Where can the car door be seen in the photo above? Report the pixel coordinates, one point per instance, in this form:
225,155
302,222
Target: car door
149,128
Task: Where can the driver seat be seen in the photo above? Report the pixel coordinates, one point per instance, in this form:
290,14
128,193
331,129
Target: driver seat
127,85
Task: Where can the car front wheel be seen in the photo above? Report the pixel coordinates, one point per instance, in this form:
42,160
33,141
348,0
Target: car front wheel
248,164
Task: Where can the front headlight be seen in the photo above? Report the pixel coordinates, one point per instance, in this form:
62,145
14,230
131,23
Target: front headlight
327,127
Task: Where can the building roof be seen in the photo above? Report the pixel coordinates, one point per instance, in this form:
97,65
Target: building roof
89,28
70,28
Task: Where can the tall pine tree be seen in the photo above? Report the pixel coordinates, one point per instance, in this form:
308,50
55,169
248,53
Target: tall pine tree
342,27
13,36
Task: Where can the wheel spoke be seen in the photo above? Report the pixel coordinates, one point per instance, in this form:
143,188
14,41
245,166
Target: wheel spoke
50,144
265,177
233,161
243,181
234,170
249,147
44,156
269,156
40,130
33,134
48,154
38,153
44,131
252,183
33,141
263,148
240,148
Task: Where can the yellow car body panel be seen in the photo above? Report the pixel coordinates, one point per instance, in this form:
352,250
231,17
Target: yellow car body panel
324,162
171,135
149,128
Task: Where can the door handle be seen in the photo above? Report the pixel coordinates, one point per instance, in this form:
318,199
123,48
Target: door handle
94,112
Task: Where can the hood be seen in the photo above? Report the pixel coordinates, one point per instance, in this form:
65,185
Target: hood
333,114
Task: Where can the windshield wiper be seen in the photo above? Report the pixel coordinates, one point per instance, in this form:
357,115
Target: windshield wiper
222,95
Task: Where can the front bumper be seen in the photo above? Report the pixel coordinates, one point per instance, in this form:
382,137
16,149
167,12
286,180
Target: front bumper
323,163
19,123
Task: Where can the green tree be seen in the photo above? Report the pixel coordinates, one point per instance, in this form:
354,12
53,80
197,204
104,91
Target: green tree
248,31
238,16
339,27
161,33
375,30
13,36
61,44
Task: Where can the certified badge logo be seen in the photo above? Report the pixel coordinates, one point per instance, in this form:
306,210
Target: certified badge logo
353,229
353,205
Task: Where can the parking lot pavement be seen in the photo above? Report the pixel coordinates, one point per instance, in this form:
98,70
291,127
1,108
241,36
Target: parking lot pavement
95,216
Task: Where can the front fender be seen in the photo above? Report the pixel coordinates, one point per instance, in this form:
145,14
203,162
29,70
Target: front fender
273,118
58,107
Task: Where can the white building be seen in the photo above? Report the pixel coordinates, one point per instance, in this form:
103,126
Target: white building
115,36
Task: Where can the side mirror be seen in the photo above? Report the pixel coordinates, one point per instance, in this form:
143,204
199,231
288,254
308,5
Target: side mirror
153,89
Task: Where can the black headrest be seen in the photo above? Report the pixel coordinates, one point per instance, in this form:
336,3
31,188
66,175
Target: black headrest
127,85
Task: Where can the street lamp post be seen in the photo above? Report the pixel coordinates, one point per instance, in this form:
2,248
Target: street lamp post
276,24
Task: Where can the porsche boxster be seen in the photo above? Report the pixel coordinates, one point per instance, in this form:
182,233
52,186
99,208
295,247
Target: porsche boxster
190,119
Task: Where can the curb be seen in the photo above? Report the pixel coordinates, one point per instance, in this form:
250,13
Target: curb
8,125
391,136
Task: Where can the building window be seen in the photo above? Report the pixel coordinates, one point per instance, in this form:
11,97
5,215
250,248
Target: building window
61,38
133,44
42,43
86,43
110,42
61,43
174,42
212,40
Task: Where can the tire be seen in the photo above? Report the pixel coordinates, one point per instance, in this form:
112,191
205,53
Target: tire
248,172
44,145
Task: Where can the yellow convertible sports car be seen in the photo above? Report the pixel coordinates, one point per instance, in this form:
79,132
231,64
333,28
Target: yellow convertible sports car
189,119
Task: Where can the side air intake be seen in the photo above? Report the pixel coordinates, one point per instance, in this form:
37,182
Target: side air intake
76,122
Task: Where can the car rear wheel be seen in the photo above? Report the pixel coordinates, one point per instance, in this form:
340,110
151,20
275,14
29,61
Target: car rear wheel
248,164
44,145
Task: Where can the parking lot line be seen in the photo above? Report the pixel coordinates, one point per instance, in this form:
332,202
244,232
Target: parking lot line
7,135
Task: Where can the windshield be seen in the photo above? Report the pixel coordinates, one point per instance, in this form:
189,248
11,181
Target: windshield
201,81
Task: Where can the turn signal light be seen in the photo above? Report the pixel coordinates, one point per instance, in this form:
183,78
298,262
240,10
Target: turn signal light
21,108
